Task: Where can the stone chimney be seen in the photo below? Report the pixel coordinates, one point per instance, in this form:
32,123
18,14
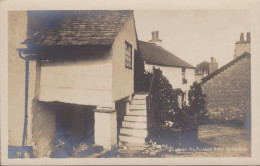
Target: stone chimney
242,45
213,65
248,39
156,39
242,37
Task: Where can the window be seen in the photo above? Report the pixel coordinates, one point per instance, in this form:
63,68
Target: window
128,55
206,72
184,80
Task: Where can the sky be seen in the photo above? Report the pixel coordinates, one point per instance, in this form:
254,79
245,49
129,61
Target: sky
195,35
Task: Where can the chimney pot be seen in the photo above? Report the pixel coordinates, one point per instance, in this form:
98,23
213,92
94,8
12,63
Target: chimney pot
248,37
153,35
157,34
242,37
155,38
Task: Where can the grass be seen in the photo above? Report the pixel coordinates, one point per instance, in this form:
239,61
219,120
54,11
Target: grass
219,140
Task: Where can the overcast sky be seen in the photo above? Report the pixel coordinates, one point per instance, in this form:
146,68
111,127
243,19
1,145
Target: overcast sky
195,35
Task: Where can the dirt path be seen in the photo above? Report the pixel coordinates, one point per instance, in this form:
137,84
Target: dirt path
220,141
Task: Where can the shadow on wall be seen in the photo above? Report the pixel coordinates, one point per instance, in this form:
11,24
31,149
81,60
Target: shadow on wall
74,130
121,112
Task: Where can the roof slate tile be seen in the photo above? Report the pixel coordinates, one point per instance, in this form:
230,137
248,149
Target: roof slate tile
92,27
153,54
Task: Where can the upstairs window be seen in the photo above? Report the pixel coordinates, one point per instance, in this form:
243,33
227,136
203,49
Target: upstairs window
128,55
184,80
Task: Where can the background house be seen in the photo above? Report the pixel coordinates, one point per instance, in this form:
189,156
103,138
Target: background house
80,60
179,73
228,89
205,68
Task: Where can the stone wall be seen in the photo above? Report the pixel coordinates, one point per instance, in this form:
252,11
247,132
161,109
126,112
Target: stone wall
43,128
229,93
242,48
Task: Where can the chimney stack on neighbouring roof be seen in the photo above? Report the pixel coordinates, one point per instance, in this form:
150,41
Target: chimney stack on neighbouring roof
213,65
243,46
153,35
241,37
155,38
248,39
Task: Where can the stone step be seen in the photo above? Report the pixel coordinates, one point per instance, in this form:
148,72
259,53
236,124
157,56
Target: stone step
138,101
134,125
135,106
134,132
130,139
140,97
137,112
135,118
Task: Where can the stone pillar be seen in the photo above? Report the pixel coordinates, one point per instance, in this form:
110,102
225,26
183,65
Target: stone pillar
105,128
41,128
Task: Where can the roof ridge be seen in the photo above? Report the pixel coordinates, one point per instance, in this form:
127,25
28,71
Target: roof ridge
229,64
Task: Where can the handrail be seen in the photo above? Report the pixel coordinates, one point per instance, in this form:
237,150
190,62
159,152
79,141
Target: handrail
152,82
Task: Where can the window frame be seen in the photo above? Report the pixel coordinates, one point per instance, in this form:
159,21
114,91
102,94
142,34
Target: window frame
184,79
127,62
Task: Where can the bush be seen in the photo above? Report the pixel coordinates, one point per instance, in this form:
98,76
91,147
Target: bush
166,109
197,102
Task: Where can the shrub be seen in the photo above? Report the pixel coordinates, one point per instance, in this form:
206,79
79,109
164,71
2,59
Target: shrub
167,111
197,102
166,108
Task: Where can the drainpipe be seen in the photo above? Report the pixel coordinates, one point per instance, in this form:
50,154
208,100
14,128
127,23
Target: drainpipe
26,59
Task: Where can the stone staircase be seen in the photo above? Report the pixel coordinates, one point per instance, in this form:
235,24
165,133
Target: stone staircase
134,127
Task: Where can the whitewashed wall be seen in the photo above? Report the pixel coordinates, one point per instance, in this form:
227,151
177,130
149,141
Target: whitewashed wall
174,75
87,82
123,78
17,29
41,119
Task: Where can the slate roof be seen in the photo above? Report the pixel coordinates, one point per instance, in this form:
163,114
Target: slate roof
208,77
77,28
153,54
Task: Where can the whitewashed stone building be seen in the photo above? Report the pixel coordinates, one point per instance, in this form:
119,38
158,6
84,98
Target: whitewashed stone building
179,73
75,61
